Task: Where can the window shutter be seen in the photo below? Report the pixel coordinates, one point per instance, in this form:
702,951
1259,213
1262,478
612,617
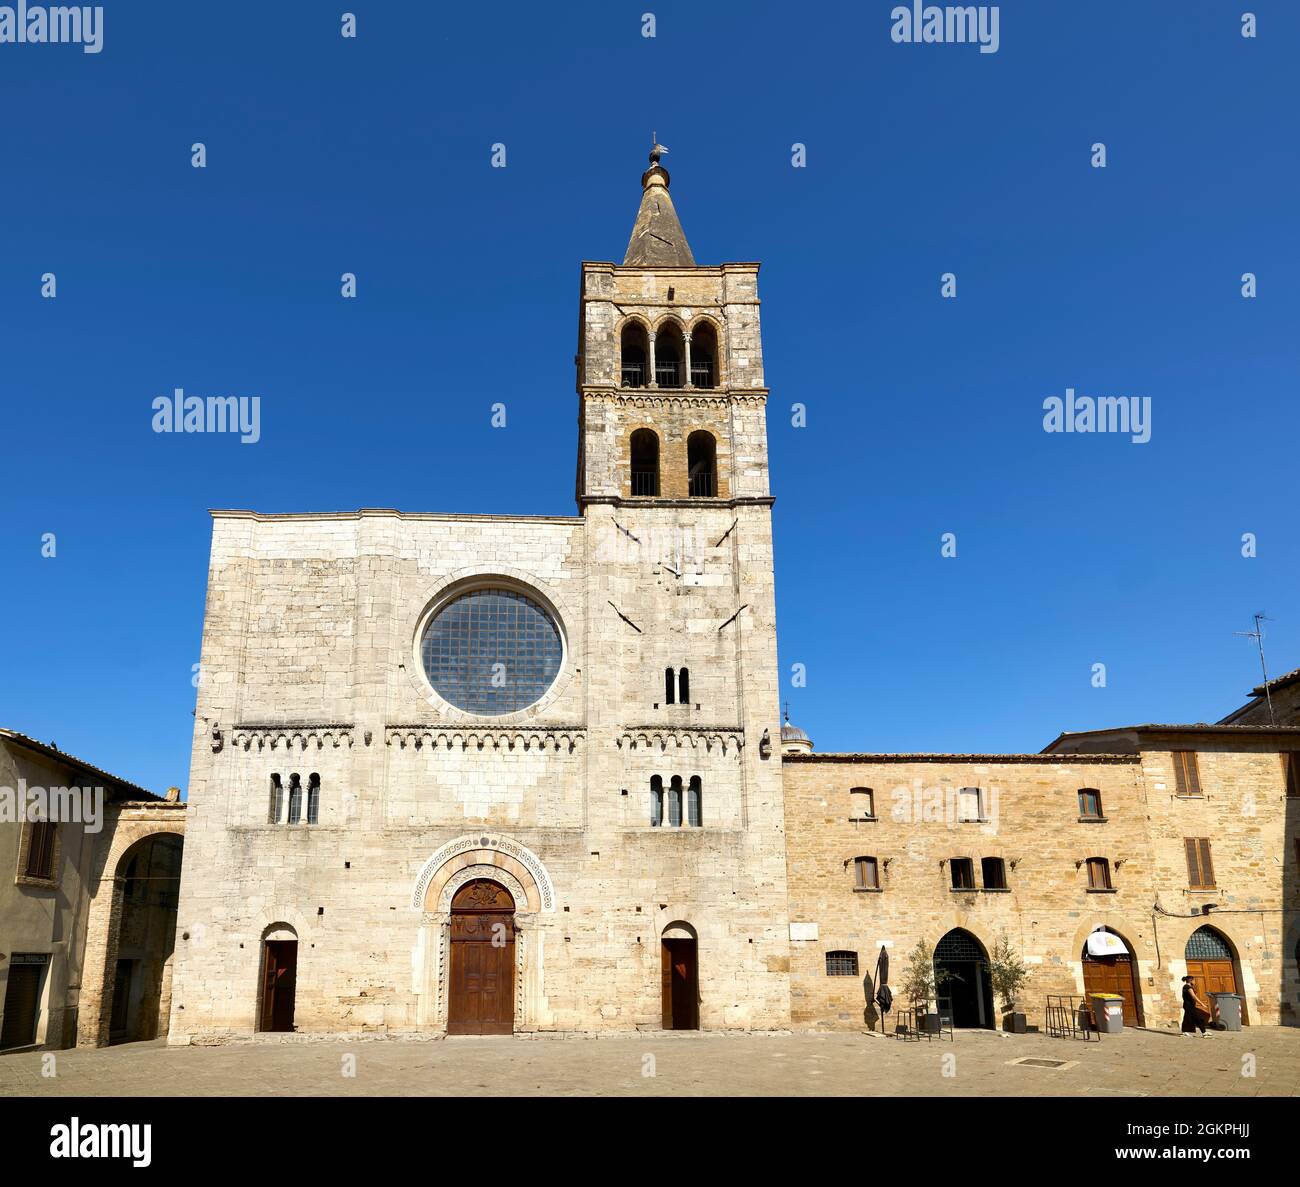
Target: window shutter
1293,775
1193,862
1187,775
1207,866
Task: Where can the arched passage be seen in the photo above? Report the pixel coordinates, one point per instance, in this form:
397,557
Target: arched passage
482,997
962,984
141,939
1109,966
1212,960
680,977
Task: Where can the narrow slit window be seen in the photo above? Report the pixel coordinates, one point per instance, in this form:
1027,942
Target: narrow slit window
684,686
656,801
670,687
694,806
313,799
275,811
675,802
295,799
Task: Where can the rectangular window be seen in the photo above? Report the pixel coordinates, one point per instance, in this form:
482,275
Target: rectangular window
968,805
1200,869
994,871
963,873
1187,773
1098,874
1089,804
841,964
866,873
862,804
1292,775
40,850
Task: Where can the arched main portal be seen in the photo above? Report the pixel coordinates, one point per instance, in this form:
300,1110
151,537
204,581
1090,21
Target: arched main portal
142,938
1110,967
1210,959
482,989
962,984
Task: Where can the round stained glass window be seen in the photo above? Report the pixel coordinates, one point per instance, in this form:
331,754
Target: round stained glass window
491,651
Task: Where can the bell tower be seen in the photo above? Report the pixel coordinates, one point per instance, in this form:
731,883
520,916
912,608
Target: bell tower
681,683
670,369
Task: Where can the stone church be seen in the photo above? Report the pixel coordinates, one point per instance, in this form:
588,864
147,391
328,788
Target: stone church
483,774
460,774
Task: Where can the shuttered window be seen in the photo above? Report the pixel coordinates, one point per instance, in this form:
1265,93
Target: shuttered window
866,873
1292,761
1098,873
1187,773
1200,869
40,850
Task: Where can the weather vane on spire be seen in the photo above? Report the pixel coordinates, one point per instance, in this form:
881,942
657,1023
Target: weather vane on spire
658,150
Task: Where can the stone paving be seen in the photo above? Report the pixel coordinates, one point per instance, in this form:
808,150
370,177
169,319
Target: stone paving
1136,1063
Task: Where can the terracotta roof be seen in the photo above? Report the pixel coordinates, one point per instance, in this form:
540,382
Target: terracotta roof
1199,727
73,761
1277,682
1040,757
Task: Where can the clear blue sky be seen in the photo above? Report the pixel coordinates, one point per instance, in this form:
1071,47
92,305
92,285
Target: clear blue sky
328,155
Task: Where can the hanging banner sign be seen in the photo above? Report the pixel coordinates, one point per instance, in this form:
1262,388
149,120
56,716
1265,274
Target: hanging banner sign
1105,943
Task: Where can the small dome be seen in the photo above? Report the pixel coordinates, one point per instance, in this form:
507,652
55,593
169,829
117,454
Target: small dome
793,739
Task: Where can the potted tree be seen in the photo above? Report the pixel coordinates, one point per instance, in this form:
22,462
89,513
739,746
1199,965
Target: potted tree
920,984
1009,974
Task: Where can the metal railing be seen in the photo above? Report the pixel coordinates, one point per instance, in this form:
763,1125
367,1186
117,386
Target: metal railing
702,373
668,374
633,375
703,485
645,483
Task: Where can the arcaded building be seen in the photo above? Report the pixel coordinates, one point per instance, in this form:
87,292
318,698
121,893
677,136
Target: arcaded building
87,901
485,774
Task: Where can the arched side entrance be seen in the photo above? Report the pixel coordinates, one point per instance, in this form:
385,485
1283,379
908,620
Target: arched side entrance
680,977
279,981
1109,970
962,984
1211,960
481,1000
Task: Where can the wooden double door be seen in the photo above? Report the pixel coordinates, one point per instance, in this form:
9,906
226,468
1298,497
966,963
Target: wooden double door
1113,974
482,981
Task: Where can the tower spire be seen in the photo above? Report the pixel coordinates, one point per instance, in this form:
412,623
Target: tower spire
658,240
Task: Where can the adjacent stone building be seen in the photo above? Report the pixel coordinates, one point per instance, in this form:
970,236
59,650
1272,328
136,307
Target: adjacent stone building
459,774
88,913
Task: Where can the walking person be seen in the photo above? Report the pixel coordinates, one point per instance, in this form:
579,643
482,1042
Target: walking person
1196,1013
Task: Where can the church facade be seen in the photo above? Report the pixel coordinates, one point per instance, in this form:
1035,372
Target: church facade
475,774
509,774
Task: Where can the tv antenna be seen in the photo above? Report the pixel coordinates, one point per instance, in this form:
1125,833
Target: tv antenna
1258,635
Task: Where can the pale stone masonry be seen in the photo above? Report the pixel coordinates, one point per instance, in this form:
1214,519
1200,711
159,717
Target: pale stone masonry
311,666
643,824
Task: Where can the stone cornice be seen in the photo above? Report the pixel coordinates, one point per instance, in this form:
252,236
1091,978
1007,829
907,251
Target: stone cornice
697,504
298,736
485,737
727,739
642,397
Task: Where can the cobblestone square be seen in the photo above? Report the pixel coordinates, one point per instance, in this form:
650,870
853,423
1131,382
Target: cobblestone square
977,1063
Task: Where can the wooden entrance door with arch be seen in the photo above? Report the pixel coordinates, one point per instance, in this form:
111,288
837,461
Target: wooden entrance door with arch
1112,970
1210,960
482,982
679,973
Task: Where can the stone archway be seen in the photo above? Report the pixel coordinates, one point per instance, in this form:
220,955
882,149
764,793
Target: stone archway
479,857
149,938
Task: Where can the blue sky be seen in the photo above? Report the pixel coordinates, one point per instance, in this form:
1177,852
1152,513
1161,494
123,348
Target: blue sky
372,156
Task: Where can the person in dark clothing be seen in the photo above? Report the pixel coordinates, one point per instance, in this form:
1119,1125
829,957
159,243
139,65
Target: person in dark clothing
1195,1012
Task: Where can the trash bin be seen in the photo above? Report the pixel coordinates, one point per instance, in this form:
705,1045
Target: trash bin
1229,1005
1108,1010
